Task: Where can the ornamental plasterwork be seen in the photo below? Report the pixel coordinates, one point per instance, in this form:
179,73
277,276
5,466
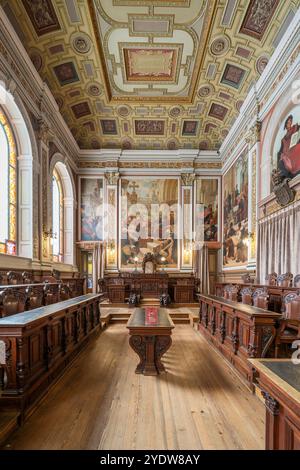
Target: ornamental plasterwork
154,164
112,178
216,62
187,179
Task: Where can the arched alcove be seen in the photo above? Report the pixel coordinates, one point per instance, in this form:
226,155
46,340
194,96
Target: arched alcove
68,189
24,172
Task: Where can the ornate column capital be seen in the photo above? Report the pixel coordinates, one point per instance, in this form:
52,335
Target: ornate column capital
44,132
187,179
253,135
112,177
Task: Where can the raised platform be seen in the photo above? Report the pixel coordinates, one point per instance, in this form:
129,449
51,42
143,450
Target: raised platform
122,315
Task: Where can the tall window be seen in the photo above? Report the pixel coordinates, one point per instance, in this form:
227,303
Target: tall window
57,217
8,188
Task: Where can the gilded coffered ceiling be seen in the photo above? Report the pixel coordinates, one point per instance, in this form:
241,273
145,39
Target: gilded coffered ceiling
150,74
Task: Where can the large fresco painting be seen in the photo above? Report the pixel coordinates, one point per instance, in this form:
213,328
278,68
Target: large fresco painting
91,209
206,210
235,206
149,220
286,150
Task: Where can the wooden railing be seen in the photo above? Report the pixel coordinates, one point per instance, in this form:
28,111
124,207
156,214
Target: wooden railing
239,331
36,346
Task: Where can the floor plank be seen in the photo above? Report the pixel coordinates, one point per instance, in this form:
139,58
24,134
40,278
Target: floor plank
100,403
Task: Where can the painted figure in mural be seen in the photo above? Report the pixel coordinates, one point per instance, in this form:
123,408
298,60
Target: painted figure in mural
288,157
235,247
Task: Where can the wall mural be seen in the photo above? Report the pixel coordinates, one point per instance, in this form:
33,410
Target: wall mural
91,209
235,203
286,150
149,220
206,210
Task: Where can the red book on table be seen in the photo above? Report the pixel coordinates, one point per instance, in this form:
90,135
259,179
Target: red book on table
151,315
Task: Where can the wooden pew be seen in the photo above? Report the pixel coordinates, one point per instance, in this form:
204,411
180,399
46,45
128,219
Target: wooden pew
36,346
239,331
275,293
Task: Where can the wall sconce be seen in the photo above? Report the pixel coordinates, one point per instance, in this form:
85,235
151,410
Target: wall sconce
111,252
49,234
249,239
163,259
136,263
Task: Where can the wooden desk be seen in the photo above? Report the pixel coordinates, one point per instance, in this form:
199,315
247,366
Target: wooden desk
239,331
279,380
150,341
35,347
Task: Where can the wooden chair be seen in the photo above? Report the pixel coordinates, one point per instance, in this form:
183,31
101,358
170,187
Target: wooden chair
260,298
51,293
297,280
64,292
12,301
231,292
26,277
271,279
285,280
34,297
289,329
246,294
14,278
246,279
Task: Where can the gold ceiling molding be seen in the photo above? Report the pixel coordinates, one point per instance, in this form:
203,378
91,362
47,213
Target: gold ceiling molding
167,93
151,164
221,63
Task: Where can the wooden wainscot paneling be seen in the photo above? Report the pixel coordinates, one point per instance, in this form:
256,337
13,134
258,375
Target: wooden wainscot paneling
239,331
39,344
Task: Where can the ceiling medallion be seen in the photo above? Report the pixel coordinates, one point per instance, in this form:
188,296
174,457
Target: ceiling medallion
175,112
239,104
172,145
37,60
203,145
124,111
261,63
220,45
205,91
81,43
224,132
60,102
95,90
95,144
126,144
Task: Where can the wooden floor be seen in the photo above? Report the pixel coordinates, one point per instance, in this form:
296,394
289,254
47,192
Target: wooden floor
100,403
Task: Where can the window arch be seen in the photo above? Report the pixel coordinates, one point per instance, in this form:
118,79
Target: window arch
57,217
62,212
8,187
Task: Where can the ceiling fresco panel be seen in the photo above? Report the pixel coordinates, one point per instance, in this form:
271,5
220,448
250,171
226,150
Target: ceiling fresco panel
139,74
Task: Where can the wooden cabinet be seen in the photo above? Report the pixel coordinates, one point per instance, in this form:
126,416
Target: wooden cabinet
279,381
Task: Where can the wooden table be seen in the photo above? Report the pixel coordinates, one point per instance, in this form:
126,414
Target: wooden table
150,341
279,381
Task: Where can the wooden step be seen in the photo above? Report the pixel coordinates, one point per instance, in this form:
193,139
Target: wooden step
181,321
8,424
119,319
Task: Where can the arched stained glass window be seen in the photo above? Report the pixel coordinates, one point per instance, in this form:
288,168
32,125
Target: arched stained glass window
57,217
8,187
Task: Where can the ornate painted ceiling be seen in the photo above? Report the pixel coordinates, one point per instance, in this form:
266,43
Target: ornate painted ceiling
150,74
